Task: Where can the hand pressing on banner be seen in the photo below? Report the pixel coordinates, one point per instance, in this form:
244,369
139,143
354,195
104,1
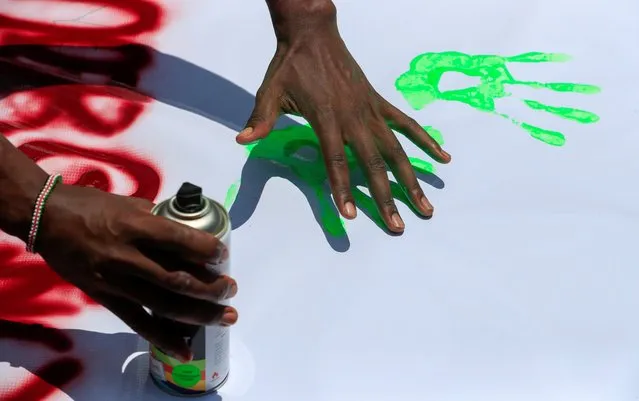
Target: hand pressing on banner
314,75
116,251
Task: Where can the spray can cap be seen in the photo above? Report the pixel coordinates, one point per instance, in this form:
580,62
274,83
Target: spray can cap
189,198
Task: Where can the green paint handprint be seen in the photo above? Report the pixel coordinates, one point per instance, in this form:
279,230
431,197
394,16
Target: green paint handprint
420,86
284,148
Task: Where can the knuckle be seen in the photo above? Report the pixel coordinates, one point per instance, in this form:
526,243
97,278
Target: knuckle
337,160
397,152
261,94
390,110
180,234
416,190
178,281
324,109
360,108
254,120
343,191
129,226
122,225
411,122
389,204
376,164
141,203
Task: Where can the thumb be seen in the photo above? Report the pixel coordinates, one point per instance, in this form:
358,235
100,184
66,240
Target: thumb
261,122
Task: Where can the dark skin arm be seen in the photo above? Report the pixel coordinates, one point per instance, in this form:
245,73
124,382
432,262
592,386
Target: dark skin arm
121,255
314,75
20,183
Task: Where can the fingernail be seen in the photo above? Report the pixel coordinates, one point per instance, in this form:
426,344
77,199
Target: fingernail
184,358
231,290
446,154
246,131
187,358
351,213
397,221
229,317
428,208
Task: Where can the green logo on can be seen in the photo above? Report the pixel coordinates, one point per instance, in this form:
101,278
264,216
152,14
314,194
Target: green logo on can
186,375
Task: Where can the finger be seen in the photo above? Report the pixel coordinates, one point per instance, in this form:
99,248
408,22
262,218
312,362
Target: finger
147,326
182,278
336,163
396,157
375,170
171,305
193,245
413,131
262,119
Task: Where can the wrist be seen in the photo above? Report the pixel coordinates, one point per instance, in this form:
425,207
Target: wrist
21,181
295,19
283,7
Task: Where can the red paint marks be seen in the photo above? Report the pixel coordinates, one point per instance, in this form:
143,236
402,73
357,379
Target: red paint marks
118,22
61,79
55,87
30,292
139,174
69,107
46,380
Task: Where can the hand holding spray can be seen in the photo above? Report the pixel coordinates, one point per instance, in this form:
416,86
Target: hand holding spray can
210,345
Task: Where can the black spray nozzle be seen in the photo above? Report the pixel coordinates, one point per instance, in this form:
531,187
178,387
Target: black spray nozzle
189,198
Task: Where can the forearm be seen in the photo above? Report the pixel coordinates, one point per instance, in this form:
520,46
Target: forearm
20,183
295,18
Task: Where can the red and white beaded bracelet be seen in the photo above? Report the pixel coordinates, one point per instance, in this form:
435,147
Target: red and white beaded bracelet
40,203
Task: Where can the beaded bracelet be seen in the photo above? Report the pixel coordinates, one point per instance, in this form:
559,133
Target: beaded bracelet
40,203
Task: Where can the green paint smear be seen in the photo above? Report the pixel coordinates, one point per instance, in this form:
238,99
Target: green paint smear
186,375
435,134
282,147
582,116
550,137
231,195
420,86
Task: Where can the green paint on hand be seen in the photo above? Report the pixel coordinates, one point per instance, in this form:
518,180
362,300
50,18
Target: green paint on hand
420,86
286,148
186,375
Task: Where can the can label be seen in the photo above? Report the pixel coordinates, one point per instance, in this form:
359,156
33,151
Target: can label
207,371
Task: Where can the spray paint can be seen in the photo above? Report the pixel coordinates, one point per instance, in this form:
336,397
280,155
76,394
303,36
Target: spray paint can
210,345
